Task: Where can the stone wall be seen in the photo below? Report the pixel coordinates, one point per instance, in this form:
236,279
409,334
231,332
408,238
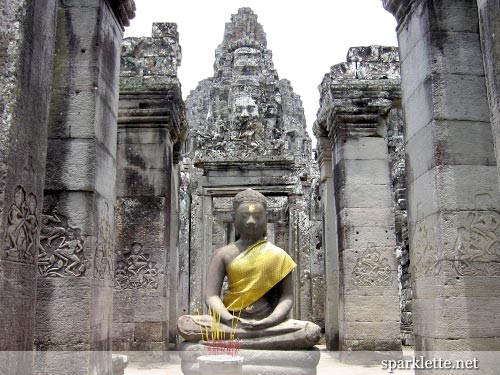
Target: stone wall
452,179
151,128
27,36
75,259
356,98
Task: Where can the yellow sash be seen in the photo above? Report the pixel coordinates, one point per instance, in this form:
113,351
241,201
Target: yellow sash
254,272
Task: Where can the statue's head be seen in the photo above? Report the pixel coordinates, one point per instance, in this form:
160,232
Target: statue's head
245,108
250,219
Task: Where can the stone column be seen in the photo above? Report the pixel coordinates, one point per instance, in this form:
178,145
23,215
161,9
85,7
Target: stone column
356,96
489,15
27,38
452,182
150,128
75,261
330,243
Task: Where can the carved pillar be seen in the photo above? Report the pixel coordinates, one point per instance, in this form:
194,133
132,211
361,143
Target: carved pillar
452,182
150,125
27,38
330,243
356,96
75,261
489,15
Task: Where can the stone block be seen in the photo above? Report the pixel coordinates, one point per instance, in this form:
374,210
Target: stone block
449,143
371,308
367,217
159,66
361,172
134,181
148,331
138,306
364,236
418,107
415,29
461,187
365,196
105,133
63,313
418,56
369,330
454,16
457,317
460,97
362,148
143,156
73,113
70,165
457,53
105,174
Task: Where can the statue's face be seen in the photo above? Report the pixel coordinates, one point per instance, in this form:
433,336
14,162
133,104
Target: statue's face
245,109
250,220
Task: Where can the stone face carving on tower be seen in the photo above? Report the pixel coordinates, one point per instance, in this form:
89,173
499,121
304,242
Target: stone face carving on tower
244,111
247,129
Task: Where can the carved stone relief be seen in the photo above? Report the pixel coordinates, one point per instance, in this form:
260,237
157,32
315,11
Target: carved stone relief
136,270
60,249
22,227
424,260
372,269
478,245
103,266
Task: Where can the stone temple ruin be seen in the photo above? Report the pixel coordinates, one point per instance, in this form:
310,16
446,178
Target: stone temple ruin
114,191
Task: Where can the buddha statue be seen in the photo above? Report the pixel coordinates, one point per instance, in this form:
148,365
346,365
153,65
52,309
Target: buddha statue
259,297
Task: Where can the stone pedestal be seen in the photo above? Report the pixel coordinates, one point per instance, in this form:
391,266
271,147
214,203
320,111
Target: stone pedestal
273,362
453,198
75,261
150,128
356,98
27,37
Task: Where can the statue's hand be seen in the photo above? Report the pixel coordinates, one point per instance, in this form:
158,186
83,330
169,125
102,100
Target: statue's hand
254,324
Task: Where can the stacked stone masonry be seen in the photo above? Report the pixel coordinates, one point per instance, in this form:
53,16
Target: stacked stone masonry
452,179
58,110
151,132
357,98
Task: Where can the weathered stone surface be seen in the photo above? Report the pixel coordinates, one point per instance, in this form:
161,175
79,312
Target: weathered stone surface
151,129
488,16
354,105
27,37
258,361
451,213
77,224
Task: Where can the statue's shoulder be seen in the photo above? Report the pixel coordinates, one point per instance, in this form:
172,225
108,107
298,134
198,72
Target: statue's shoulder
226,252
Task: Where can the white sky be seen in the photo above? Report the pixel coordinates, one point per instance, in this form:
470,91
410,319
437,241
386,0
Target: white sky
306,37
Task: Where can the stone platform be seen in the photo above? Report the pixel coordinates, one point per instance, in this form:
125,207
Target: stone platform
327,363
